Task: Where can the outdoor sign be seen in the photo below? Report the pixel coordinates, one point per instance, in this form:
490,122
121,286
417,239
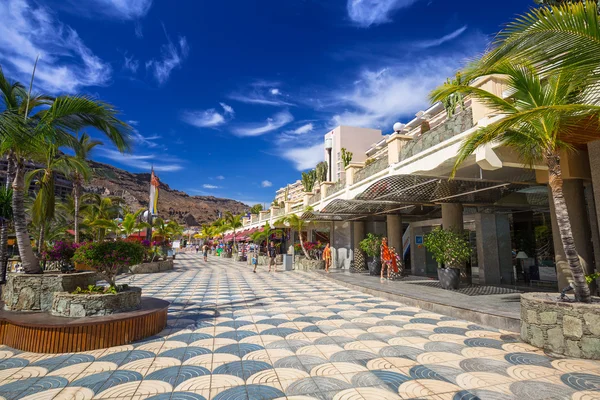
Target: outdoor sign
419,239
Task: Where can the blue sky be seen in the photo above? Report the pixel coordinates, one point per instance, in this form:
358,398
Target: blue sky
232,98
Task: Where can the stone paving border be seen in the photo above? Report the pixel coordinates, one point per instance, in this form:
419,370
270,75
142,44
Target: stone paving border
496,321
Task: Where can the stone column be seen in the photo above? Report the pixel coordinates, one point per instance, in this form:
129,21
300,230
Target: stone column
573,192
394,231
452,216
395,143
358,234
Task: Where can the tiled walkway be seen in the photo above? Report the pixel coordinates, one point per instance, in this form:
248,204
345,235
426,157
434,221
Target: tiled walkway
235,335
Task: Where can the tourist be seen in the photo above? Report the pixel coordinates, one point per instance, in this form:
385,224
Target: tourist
255,258
396,265
272,250
205,252
197,249
327,257
386,258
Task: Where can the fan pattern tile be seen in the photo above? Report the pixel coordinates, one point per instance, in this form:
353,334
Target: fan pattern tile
235,335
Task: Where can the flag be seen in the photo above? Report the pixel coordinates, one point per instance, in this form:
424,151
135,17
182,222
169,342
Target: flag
154,183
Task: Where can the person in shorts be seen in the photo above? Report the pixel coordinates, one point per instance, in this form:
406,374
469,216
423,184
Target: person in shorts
272,250
327,257
205,252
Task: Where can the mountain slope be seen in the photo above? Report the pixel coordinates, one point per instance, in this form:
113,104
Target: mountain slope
172,204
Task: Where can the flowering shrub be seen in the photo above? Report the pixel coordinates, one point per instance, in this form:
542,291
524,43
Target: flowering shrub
61,251
145,243
108,258
313,248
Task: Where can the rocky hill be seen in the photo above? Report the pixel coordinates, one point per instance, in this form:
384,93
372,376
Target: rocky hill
172,204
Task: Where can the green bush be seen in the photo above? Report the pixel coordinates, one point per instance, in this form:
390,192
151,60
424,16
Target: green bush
371,245
449,248
109,258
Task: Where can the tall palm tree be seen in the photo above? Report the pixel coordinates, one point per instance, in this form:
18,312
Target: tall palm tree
100,213
45,120
255,209
5,218
538,113
131,222
233,222
83,148
264,234
298,224
221,226
560,37
53,161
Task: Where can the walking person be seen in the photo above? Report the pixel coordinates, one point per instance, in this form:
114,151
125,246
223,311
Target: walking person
272,250
327,257
205,252
396,265
255,257
197,249
386,258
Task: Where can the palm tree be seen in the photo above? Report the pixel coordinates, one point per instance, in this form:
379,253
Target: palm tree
5,218
539,112
82,149
208,231
298,224
233,222
46,120
100,213
264,234
562,37
131,222
44,204
221,226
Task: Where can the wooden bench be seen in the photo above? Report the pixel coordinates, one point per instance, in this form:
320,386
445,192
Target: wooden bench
40,332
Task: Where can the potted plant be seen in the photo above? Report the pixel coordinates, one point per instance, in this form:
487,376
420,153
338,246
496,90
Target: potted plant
451,250
371,245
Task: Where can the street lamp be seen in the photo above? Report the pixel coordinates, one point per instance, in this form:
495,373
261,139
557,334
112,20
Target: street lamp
328,147
398,127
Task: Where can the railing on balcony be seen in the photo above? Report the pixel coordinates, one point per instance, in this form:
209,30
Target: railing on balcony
338,186
298,206
451,127
378,165
264,217
314,199
278,212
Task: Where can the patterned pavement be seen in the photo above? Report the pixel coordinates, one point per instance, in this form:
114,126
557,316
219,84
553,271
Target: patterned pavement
235,335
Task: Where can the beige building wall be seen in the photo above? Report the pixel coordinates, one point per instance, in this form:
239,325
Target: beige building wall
355,140
296,192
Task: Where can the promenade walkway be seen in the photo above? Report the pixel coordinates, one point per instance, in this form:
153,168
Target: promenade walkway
236,335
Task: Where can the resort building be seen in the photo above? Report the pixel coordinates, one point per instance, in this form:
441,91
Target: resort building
294,191
353,139
404,191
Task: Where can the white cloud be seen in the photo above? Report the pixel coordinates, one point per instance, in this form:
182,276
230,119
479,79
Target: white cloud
116,9
147,141
172,56
142,162
380,97
133,122
131,64
220,177
372,12
266,184
263,93
208,118
304,157
304,129
66,64
446,38
139,33
208,186
271,124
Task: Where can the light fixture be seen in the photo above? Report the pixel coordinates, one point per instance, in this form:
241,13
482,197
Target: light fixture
522,255
328,143
398,127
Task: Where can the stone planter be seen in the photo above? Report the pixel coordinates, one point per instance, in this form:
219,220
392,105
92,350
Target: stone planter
151,267
33,292
301,263
66,304
567,328
449,278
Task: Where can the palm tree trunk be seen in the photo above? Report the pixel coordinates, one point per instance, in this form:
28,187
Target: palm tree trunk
40,246
4,230
582,291
76,195
302,245
29,261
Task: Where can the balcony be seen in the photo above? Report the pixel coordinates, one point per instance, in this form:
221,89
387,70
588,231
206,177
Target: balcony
378,165
451,127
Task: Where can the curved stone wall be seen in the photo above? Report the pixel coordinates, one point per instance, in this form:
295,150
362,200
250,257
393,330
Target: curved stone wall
568,328
33,292
86,305
152,267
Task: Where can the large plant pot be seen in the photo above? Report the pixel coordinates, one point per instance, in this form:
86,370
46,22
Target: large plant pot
86,305
33,292
301,263
449,278
374,266
150,267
